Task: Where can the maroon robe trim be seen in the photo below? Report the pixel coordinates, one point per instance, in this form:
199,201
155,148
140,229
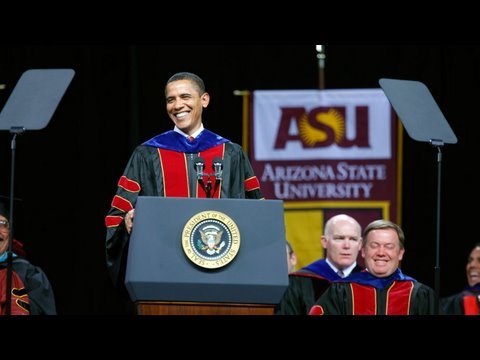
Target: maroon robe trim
470,305
364,299
252,184
399,296
129,185
20,301
112,221
175,174
121,203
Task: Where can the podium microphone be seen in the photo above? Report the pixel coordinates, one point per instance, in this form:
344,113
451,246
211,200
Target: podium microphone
199,165
217,166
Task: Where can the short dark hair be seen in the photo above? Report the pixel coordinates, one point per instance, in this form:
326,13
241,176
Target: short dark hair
195,79
385,224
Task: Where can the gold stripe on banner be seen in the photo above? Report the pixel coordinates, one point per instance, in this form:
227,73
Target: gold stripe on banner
245,94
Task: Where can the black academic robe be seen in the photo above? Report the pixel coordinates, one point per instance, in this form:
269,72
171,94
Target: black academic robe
164,166
364,294
466,302
32,293
306,286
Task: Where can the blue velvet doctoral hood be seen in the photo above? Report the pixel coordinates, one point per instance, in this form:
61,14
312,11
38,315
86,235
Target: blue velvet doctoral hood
365,278
321,267
172,140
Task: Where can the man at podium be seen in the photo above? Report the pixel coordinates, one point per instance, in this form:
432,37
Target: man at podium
188,161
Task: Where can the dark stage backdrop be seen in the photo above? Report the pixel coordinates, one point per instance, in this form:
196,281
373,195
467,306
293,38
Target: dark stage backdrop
66,174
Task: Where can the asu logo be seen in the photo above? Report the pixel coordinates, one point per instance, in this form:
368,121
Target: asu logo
210,239
322,127
312,135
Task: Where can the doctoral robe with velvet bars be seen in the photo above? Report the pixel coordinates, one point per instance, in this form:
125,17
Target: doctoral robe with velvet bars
164,166
306,286
364,294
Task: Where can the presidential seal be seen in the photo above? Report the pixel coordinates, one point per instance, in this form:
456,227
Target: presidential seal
210,239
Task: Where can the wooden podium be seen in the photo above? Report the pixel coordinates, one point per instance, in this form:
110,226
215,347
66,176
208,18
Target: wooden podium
193,308
163,280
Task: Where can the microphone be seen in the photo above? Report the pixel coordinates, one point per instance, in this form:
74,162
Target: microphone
199,165
217,166
316,310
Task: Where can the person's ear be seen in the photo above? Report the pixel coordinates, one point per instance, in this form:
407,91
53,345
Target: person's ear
205,98
324,241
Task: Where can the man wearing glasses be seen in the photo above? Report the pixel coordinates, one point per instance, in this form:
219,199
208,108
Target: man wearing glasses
31,292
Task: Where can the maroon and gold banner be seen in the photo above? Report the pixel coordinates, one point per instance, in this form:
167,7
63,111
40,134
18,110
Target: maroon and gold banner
325,152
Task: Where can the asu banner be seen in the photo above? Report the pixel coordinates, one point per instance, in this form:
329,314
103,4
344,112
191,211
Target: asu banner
325,152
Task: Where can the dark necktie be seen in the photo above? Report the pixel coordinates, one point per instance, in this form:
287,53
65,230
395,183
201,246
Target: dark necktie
340,273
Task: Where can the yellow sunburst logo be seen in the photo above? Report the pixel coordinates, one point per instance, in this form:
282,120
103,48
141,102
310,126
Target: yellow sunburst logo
311,135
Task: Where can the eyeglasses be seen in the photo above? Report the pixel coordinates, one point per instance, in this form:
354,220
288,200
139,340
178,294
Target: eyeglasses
3,224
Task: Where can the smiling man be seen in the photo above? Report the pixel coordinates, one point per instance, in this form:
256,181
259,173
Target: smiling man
466,302
382,289
31,292
177,163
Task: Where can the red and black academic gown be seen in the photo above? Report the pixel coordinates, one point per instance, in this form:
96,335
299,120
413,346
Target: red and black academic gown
365,294
466,302
32,293
164,166
306,286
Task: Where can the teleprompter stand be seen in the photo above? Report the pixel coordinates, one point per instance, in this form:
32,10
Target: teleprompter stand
30,107
423,121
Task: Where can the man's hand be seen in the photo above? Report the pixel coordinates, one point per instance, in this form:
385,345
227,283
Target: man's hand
129,220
